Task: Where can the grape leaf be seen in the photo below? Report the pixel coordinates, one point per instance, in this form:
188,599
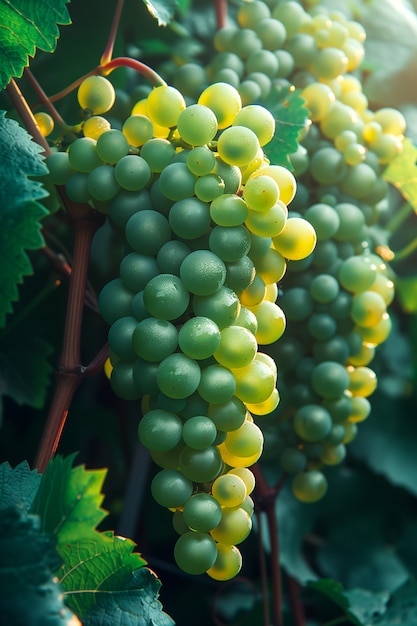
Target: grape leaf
24,366
29,593
335,592
19,211
162,10
406,288
68,500
26,26
18,485
105,569
291,116
402,606
402,172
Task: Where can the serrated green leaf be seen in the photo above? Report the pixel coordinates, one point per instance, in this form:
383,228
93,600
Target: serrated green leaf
291,116
29,593
68,500
402,606
162,10
365,605
24,366
406,289
103,566
18,486
335,592
402,172
26,26
19,212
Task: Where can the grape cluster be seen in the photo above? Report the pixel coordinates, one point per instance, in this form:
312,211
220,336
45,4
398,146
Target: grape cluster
204,220
336,300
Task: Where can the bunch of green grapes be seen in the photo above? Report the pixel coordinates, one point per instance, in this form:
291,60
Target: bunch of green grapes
335,300
203,215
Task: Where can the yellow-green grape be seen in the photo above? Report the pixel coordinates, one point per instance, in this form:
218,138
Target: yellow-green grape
141,108
164,105
197,125
237,145
254,383
138,129
237,347
111,146
391,120
95,126
261,193
237,461
195,552
271,267
254,294
296,240
267,406
271,322
318,98
283,177
96,94
361,408
245,441
227,564
368,307
257,118
362,381
233,528
363,357
229,490
82,154
268,223
224,100
376,334
246,475
45,123
309,486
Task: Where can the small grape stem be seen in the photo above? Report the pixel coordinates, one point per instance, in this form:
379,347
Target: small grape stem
108,50
221,13
399,217
26,115
44,98
153,77
263,569
295,600
405,252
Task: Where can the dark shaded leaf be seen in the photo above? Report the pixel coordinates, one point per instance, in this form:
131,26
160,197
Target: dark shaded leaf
18,486
402,606
365,605
162,10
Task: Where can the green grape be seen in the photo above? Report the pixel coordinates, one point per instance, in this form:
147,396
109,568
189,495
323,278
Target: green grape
138,307
201,466
209,187
271,322
228,563
312,422
339,118
230,174
83,155
254,294
321,326
359,181
112,146
324,288
115,301
283,177
230,243
254,383
361,408
154,339
189,78
250,14
263,61
178,522
309,486
199,337
136,270
197,125
357,273
391,120
259,246
378,333
96,94
239,275
59,166
328,166
122,381
233,528
237,347
201,161
164,105
144,376
246,441
199,433
76,187
160,430
228,415
271,33
132,172
178,376
244,41
222,307
296,240
271,267
147,231
195,552
238,145
318,98
330,63
293,460
169,459
268,223
261,193
229,490
120,338
333,455
297,304
189,218
202,272
102,184
249,91
217,384
368,308
177,182
225,61
202,512
362,381
158,153
246,475
324,219
170,488
227,75
171,255
302,48
223,99
228,210
166,297
137,129
125,204
330,379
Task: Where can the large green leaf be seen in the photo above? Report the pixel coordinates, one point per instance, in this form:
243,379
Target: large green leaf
68,500
24,365
402,606
291,116
20,212
402,172
29,593
162,10
18,486
26,26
